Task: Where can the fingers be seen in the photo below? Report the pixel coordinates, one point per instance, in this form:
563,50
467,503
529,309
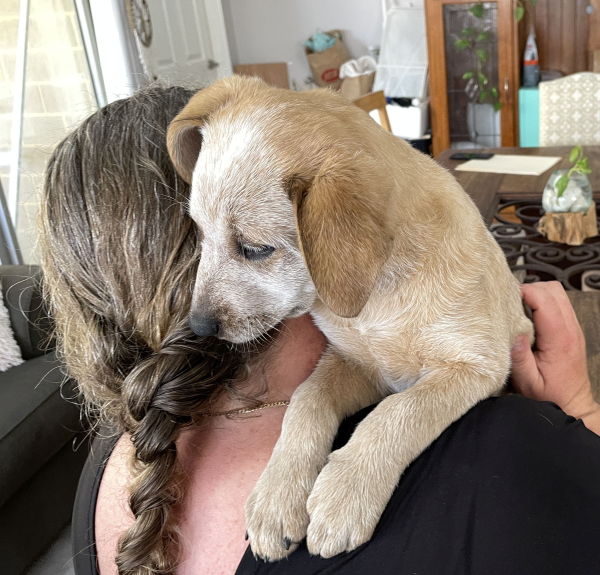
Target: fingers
525,373
553,315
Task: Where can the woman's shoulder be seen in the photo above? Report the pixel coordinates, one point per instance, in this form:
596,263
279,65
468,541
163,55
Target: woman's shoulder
101,512
511,487
508,420
113,516
524,423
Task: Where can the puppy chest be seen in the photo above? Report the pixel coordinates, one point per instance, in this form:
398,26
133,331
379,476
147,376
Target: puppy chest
387,357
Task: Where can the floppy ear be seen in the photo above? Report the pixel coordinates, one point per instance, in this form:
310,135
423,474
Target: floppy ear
184,137
184,140
342,230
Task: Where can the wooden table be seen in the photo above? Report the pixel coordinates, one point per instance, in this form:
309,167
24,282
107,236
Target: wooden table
488,190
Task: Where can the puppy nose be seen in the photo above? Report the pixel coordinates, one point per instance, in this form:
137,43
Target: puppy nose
204,325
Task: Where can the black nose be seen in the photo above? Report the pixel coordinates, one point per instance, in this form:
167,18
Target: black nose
204,325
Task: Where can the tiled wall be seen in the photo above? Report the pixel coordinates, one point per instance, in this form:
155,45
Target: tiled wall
58,96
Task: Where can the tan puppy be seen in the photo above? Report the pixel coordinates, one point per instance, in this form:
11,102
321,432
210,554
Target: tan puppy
306,204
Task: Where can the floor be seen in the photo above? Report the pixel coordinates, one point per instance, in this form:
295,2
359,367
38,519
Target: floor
57,559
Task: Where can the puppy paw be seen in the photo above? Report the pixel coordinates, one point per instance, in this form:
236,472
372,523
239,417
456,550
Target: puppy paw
344,507
276,516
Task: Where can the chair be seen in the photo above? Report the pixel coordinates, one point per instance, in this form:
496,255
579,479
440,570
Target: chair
570,110
39,468
273,74
375,101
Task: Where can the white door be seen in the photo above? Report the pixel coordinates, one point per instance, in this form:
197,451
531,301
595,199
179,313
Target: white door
189,42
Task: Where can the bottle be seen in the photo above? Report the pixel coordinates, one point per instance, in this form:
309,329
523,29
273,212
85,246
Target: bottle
531,65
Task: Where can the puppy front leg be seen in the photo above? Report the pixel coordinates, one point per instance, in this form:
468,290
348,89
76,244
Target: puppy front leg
276,516
355,486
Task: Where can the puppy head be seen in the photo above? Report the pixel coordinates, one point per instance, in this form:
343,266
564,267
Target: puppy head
289,209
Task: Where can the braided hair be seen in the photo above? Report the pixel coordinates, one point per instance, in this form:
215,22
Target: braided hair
119,255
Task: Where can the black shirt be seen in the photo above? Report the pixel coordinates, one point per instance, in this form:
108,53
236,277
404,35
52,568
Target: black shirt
513,487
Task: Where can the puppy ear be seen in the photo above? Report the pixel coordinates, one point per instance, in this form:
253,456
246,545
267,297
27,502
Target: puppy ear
184,136
184,140
342,230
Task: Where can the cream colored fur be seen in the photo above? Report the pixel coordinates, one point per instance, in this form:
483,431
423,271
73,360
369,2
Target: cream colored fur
392,259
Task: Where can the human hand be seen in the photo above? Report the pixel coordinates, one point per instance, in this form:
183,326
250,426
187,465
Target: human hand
557,370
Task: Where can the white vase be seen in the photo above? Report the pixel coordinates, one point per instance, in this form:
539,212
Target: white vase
483,123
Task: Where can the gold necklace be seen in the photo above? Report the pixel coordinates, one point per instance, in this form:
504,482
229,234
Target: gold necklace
244,410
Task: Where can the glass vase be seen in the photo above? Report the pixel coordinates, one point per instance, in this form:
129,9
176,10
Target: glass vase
577,197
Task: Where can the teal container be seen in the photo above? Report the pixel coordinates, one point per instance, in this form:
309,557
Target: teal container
529,117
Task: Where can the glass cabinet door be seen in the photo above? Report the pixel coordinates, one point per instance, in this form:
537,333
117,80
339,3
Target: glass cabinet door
471,46
473,73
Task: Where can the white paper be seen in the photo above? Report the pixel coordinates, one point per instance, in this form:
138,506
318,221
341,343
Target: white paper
506,164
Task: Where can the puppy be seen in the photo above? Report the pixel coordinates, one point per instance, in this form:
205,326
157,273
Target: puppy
307,205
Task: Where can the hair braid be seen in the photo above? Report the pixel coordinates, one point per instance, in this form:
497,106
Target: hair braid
163,393
119,254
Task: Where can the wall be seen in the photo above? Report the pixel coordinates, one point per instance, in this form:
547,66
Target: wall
261,31
58,95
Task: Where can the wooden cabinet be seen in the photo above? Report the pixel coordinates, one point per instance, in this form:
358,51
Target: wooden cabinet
473,66
567,34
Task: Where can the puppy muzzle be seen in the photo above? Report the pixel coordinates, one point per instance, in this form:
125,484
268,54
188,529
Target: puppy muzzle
205,325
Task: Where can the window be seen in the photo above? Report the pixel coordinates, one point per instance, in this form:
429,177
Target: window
45,90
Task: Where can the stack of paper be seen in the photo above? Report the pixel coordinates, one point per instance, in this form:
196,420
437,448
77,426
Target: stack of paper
506,164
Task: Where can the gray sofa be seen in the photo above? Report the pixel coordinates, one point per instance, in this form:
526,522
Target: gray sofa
39,467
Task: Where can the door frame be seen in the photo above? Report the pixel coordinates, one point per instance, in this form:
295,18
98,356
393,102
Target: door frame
508,72
216,20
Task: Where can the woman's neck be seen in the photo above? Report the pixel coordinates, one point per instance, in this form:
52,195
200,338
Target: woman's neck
280,369
224,457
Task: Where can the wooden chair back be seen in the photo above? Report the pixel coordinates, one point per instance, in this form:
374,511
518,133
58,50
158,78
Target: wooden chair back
375,101
273,74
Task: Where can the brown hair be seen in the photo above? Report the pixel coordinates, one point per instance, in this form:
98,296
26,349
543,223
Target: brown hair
119,254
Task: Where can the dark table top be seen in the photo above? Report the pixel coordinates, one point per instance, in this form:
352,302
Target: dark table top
487,190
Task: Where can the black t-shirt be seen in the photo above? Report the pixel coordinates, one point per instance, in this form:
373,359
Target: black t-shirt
512,488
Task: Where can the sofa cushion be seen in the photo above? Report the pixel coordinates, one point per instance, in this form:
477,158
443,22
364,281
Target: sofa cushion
10,352
35,420
28,316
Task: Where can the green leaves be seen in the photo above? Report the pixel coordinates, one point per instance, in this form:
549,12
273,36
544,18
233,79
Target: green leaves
581,166
561,184
581,162
496,98
575,153
519,13
520,9
468,39
477,10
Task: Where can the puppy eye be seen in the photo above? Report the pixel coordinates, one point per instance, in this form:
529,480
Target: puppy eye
256,252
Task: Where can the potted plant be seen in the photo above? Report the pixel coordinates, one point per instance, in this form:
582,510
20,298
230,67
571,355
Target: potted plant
483,120
570,213
483,109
